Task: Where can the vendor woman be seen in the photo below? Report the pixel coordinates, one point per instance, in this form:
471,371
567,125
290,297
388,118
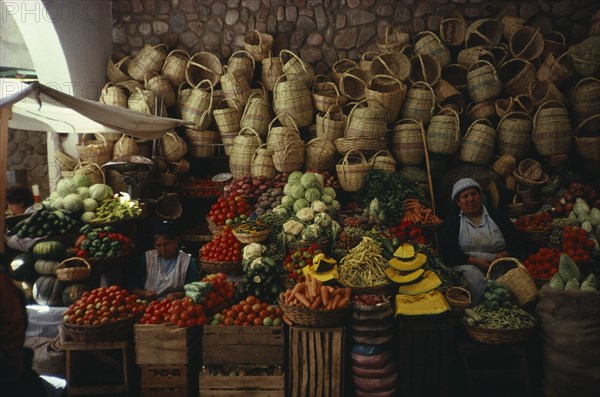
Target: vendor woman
164,270
473,236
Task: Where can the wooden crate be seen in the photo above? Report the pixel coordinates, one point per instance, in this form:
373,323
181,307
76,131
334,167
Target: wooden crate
166,344
242,386
425,346
243,345
317,359
169,380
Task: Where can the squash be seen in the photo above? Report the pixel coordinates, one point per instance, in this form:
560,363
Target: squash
26,288
432,302
428,282
72,292
46,267
408,266
403,278
47,290
50,250
22,267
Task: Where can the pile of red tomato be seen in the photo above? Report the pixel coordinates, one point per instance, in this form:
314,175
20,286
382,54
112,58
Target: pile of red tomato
220,295
295,261
223,248
577,244
103,305
180,312
543,264
406,231
226,210
249,312
541,221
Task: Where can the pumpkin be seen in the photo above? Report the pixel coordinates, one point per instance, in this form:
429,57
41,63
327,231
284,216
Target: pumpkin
47,290
22,267
406,266
26,288
433,302
46,267
72,292
403,278
428,282
50,250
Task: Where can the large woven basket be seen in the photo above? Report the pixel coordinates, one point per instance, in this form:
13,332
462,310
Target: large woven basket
453,28
393,41
552,131
407,142
393,64
424,67
172,147
332,124
365,145
587,138
116,67
388,92
258,44
518,280
321,154
174,67
305,317
229,268
203,65
478,144
149,58
383,160
121,329
351,174
498,336
66,272
99,151
91,170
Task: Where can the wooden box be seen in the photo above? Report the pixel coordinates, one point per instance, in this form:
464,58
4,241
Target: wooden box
425,346
242,386
317,359
169,380
243,345
166,344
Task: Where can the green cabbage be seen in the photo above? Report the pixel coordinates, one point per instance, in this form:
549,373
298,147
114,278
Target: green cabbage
64,187
323,220
89,204
281,210
318,206
81,180
595,216
73,202
299,204
327,199
312,194
328,191
294,177
297,191
310,180
58,203
288,201
88,216
311,232
84,192
320,181
336,205
100,191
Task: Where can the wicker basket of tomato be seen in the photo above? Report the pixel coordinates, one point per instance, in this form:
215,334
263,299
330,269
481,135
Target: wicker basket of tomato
228,211
222,254
542,265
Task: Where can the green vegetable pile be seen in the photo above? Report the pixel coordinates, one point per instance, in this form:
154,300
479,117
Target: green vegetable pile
495,296
504,317
569,277
45,222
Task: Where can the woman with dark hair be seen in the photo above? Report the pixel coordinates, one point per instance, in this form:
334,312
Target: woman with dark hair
164,270
19,199
473,236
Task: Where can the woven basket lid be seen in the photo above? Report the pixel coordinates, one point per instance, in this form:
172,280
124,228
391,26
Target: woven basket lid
530,169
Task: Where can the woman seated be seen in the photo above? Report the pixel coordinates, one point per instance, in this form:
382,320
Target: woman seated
473,236
164,270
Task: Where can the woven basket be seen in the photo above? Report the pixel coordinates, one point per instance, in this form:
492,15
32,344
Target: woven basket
447,95
393,64
130,85
586,99
321,154
242,152
289,158
148,59
518,281
143,101
160,86
453,28
202,144
365,145
587,138
483,32
407,142
511,24
262,163
257,114
483,82
340,66
201,66
116,67
124,147
428,43
505,165
554,43
516,74
65,161
470,55
326,95
419,103
478,144
458,298
482,110
99,152
514,135
235,86
526,43
424,67
113,95
498,336
271,70
121,329
353,84
229,268
351,174
247,238
242,63
258,44
332,124
293,97
174,67
504,106
228,122
295,68
73,273
456,75
543,91
304,317
388,92
366,121
557,70
279,136
366,60
443,133
552,131
197,107
383,160
393,40
172,147
585,56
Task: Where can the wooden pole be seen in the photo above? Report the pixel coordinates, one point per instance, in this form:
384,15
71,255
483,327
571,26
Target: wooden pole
5,115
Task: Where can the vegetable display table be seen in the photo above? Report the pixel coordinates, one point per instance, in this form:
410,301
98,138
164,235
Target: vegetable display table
98,368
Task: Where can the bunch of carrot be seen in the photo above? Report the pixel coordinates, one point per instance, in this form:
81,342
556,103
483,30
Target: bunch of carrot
415,212
313,295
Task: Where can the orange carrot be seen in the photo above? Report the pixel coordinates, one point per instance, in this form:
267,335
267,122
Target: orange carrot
302,299
336,301
287,320
347,293
316,303
343,303
324,295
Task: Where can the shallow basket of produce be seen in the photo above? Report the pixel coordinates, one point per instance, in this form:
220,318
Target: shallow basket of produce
109,261
498,336
385,290
229,268
121,329
255,237
73,269
306,317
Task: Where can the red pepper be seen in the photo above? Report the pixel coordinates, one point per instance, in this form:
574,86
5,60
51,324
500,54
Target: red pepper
82,254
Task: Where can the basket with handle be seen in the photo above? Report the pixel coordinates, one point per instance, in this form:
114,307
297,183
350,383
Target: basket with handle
279,136
585,56
197,107
427,42
453,28
116,68
407,142
258,44
587,138
99,152
458,298
291,158
172,147
321,154
477,146
466,57
352,173
295,68
174,67
306,317
393,64
294,98
143,101
527,43
383,160
229,268
202,143
366,121
516,74
388,92
65,161
271,70
393,40
241,62
483,82
67,270
365,145
557,70
419,103
353,83
542,91
332,124
201,66
149,58
483,32
424,67
326,95
125,146
121,329
242,152
257,114
235,86
518,280
227,119
340,66
552,131
514,134
92,171
443,132
113,95
161,87
586,99
366,59
262,163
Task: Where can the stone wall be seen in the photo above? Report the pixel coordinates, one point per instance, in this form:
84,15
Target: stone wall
321,31
27,151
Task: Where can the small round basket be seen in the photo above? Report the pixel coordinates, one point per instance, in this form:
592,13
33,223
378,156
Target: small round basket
518,280
121,329
247,238
498,336
213,227
73,269
382,306
304,317
229,268
459,299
